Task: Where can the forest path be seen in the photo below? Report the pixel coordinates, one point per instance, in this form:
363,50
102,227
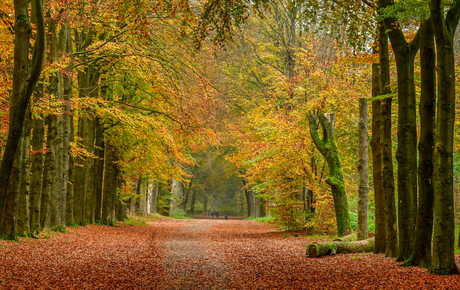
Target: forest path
196,254
234,254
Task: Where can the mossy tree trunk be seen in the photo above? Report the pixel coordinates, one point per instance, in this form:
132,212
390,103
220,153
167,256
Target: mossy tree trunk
380,233
421,256
444,25
327,146
391,248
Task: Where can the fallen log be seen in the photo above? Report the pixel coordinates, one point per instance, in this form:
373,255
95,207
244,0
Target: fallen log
337,247
349,238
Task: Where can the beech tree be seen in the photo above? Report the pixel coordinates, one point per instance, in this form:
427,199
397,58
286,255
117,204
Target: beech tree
328,148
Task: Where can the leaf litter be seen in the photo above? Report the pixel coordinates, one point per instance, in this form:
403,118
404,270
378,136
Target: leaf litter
197,254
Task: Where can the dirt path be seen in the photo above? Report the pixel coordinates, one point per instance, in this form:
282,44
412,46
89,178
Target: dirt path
196,254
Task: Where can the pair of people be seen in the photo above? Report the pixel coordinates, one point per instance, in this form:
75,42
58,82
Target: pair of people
215,213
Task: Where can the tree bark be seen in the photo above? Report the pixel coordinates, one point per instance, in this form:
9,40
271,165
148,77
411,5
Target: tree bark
443,261
110,185
48,176
421,255
23,83
363,171
24,191
10,217
406,154
99,163
380,233
391,248
154,202
55,140
327,146
68,136
37,171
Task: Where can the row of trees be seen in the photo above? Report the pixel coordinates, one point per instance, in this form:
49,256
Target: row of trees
122,109
113,104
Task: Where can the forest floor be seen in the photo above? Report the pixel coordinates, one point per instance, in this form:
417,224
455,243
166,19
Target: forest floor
196,254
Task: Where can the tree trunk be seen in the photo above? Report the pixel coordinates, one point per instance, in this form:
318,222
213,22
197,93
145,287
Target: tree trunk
327,146
443,261
37,171
391,248
71,180
406,154
24,192
68,136
363,171
48,176
154,203
193,201
89,168
421,255
331,248
380,233
99,163
248,197
110,185
79,177
23,83
10,217
53,135
121,207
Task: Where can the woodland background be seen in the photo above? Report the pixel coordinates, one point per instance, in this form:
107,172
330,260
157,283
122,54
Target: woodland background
180,108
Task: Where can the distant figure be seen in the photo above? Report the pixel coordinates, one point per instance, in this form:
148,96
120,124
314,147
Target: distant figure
212,214
226,217
216,213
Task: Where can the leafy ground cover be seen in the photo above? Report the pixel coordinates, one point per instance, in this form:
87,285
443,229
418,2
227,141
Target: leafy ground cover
196,254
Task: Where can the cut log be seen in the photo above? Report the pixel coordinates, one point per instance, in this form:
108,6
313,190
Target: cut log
349,238
337,247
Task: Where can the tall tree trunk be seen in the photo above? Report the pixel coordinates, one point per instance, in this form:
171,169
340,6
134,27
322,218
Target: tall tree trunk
327,146
10,217
406,154
54,138
421,255
48,176
193,201
110,185
363,171
24,192
248,197
68,136
99,163
154,203
23,83
391,248
71,180
443,261
380,233
37,170
79,177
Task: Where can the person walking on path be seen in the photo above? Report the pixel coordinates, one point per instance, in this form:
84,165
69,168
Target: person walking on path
212,214
216,213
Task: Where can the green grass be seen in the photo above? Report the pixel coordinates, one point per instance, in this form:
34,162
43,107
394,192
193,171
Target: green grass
182,218
266,220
